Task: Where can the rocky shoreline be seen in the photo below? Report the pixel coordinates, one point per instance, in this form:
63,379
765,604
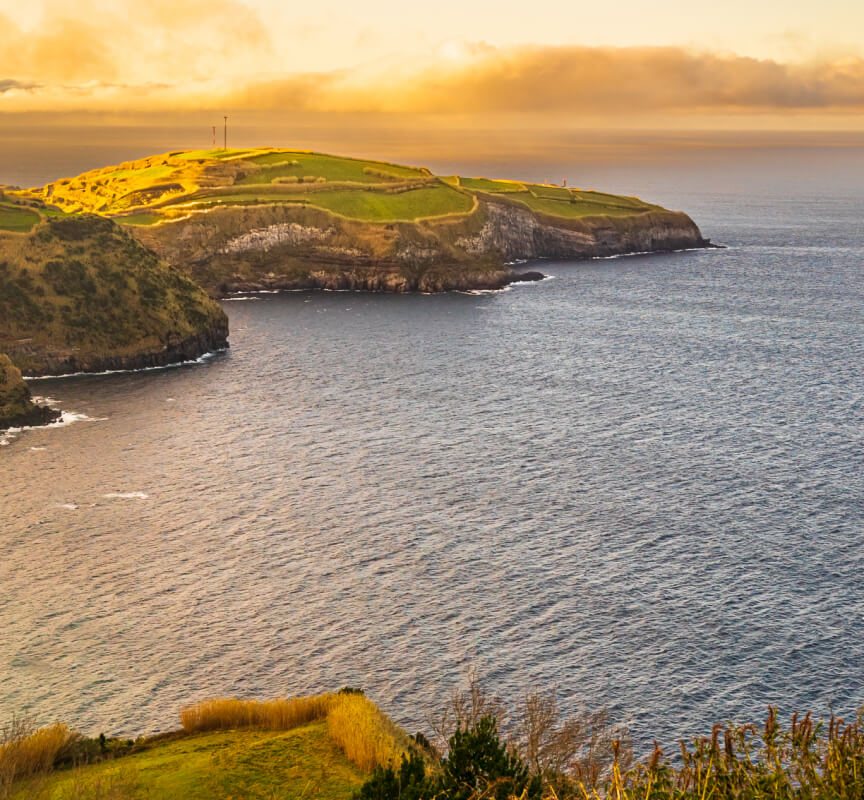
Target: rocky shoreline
377,280
57,362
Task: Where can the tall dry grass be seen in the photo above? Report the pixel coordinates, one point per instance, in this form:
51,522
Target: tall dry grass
367,737
279,714
26,751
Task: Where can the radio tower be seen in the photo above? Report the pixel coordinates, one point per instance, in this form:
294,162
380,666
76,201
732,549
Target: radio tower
226,133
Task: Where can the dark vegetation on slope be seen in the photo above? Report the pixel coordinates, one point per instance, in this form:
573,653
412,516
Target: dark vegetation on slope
79,293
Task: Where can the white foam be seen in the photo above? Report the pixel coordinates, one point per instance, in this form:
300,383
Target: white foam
67,418
69,506
126,496
238,299
201,360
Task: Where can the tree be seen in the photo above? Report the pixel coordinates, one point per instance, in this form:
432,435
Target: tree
478,765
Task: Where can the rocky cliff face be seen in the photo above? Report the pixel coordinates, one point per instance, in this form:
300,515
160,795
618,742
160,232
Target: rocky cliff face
517,233
17,408
289,247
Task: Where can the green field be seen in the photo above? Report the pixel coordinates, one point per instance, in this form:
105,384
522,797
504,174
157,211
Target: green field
368,206
144,218
331,168
489,185
300,763
583,205
356,188
17,219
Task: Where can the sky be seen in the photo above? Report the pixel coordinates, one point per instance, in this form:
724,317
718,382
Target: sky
749,64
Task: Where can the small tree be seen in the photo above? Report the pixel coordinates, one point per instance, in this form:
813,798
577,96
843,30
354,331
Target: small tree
409,783
478,764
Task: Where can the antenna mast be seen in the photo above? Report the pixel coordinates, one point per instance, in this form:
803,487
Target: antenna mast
214,137
226,132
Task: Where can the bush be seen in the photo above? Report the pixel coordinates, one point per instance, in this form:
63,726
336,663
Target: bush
409,783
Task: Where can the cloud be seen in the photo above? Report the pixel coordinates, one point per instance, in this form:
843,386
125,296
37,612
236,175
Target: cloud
577,80
128,41
8,84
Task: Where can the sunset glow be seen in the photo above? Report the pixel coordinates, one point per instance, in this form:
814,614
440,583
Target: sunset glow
589,65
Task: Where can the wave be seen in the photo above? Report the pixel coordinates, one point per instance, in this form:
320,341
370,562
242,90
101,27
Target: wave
67,418
126,495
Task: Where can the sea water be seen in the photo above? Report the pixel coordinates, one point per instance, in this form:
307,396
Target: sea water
640,483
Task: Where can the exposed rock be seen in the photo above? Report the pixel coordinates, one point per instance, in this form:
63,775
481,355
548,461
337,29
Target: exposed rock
17,408
280,246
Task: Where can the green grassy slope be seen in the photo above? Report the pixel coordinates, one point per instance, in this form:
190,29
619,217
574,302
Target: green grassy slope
165,187
300,763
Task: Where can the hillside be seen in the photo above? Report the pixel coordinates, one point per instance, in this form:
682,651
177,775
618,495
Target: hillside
270,765
78,293
275,218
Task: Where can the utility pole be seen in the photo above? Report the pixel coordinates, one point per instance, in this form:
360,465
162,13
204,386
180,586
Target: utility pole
226,132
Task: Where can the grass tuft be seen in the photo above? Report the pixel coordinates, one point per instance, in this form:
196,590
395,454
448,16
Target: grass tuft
363,733
279,714
25,752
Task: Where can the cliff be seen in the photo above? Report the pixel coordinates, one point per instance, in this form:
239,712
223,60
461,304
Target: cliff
280,246
17,408
79,294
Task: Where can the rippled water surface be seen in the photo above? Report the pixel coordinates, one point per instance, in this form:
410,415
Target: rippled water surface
640,481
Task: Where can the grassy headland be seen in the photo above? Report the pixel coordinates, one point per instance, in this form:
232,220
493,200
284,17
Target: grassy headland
163,187
242,219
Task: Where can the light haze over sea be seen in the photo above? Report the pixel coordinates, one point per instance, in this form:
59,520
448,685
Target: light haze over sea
640,482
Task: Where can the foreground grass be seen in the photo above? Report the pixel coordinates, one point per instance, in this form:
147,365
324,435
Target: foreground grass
287,765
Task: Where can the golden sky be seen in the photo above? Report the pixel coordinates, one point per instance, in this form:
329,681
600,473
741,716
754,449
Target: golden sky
754,62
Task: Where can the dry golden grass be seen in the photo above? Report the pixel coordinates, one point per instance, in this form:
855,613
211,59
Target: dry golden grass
367,737
354,723
279,714
26,752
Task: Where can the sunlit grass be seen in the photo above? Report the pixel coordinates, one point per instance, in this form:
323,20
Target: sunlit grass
280,714
364,734
490,185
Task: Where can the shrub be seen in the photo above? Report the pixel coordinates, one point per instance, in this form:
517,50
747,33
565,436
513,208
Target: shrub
479,764
409,783
281,714
362,732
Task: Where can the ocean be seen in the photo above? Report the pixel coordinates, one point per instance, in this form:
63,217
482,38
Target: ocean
639,483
